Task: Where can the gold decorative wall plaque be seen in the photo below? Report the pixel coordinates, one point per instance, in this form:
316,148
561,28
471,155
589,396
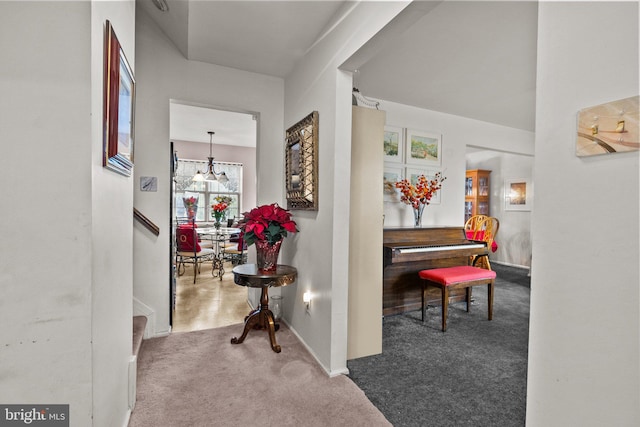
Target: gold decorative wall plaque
609,128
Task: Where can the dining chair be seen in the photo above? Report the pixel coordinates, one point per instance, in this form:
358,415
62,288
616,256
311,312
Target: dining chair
189,250
235,251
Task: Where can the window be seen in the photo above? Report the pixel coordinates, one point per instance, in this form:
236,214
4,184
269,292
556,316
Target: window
205,192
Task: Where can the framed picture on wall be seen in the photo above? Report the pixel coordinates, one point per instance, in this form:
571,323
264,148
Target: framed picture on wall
518,194
119,106
392,174
393,144
609,128
413,174
423,148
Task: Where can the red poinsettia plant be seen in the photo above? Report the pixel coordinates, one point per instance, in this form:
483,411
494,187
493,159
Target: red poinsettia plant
269,223
423,190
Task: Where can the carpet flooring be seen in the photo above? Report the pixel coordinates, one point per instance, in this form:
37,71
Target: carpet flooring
198,379
472,375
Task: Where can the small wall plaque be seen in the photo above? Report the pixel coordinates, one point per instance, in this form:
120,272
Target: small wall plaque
148,183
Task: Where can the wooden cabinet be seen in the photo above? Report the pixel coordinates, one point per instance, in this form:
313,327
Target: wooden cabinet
476,193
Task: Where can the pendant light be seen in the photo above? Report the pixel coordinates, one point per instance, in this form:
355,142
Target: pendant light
211,174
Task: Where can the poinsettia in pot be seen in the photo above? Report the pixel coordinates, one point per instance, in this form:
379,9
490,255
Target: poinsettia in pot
267,226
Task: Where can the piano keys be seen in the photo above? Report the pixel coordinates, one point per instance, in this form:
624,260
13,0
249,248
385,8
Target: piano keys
402,250
406,251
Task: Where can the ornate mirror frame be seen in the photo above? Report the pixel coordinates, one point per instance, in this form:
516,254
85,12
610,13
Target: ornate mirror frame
301,164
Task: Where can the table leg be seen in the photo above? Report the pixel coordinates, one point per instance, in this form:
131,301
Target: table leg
261,318
217,269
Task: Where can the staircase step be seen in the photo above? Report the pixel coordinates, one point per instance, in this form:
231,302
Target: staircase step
139,324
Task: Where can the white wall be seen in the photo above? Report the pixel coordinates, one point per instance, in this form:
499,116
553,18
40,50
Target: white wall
164,74
226,153
584,333
112,227
46,353
66,281
320,251
514,235
457,132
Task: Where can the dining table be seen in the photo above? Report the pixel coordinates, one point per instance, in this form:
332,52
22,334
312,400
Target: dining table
219,236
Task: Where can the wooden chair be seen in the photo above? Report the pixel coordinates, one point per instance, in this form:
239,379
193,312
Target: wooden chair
472,226
189,251
487,233
463,276
484,229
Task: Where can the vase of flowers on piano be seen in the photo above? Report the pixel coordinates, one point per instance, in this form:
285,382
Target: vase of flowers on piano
418,194
219,210
267,226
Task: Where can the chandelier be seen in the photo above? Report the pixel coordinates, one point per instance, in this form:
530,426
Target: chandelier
211,174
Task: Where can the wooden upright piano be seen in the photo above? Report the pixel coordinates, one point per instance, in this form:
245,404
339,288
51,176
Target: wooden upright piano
406,251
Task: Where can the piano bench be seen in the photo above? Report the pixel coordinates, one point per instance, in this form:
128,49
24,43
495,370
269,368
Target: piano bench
463,276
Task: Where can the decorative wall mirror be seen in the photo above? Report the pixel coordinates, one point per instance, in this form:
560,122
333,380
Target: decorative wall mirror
301,163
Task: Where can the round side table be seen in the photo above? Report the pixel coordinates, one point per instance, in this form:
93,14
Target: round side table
262,318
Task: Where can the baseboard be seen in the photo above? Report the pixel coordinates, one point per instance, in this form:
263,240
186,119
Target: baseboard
127,418
330,374
164,333
133,374
141,309
525,267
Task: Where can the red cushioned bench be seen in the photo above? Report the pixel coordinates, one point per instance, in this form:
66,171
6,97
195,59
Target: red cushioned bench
463,276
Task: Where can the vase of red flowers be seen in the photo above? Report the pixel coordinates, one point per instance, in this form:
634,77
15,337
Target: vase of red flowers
191,206
267,254
419,195
267,226
219,210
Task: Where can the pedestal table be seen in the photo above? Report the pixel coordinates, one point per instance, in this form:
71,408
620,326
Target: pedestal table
262,318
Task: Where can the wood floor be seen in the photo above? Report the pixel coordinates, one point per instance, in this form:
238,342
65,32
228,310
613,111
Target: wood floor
210,302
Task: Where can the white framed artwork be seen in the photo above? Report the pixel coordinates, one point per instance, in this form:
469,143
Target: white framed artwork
391,175
518,194
393,144
423,148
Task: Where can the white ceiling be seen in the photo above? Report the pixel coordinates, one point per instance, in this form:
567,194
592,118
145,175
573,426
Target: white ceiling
192,123
472,59
475,59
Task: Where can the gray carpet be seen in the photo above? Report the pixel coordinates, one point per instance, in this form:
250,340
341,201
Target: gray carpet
472,375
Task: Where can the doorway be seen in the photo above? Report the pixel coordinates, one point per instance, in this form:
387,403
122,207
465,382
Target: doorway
514,234
198,132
